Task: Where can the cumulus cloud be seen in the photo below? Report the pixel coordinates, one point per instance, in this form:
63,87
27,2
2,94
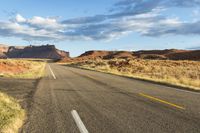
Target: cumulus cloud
46,23
143,16
24,29
20,18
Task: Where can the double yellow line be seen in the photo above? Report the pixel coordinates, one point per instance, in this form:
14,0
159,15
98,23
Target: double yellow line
162,101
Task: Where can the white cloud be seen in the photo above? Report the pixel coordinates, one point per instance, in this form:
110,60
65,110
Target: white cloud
22,29
48,23
170,21
144,17
20,19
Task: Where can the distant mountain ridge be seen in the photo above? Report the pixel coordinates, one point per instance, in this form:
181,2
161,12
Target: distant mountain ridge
44,51
170,54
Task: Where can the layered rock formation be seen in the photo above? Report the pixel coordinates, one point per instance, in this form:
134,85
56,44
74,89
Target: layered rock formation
44,52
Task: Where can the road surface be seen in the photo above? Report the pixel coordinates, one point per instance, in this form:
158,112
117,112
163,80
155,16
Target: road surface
107,103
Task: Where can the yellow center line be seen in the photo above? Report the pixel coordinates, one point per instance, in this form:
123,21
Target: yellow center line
162,101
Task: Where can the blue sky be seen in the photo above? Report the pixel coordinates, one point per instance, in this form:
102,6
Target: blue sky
80,25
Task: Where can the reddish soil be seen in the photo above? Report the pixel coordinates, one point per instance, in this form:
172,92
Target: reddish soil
12,67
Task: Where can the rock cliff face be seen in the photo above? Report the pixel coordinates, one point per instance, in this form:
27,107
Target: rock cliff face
3,50
45,52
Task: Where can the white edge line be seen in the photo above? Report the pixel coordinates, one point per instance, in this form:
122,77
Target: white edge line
52,72
78,121
188,91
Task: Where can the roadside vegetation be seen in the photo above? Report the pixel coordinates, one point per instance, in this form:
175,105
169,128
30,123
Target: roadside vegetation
18,68
179,73
11,114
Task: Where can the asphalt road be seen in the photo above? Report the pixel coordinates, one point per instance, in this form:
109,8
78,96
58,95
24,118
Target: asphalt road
109,104
21,89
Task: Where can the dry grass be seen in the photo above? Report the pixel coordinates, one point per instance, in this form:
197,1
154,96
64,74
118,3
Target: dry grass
11,114
181,73
16,68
